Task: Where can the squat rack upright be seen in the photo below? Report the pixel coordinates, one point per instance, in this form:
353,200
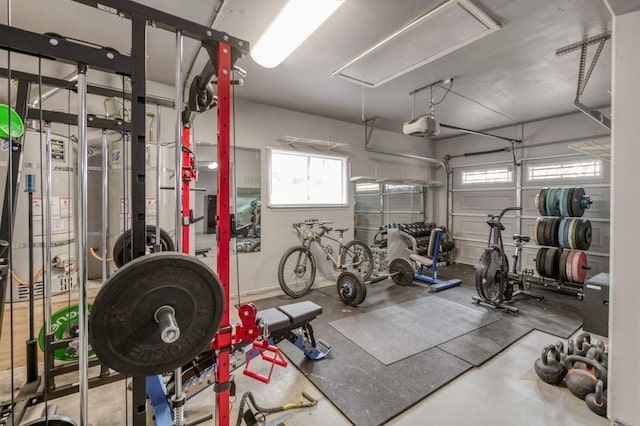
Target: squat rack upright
223,51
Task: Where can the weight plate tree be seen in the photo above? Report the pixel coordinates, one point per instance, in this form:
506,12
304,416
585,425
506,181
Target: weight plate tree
156,313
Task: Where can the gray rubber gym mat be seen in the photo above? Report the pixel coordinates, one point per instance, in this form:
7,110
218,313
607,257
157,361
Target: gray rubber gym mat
397,332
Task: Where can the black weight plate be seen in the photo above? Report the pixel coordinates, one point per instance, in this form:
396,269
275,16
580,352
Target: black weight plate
122,246
555,266
541,202
548,262
576,202
563,266
563,233
401,271
540,231
124,333
567,206
583,238
351,289
555,223
540,261
548,229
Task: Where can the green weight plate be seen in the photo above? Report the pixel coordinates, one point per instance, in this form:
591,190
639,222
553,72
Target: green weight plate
564,195
572,233
553,202
547,207
563,266
541,197
64,325
576,202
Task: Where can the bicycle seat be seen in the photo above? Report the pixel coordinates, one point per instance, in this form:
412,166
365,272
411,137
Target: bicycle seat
342,229
326,228
521,238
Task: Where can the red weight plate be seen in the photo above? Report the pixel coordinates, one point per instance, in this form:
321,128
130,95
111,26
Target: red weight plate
568,266
579,267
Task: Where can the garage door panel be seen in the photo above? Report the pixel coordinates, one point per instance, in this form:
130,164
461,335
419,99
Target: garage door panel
483,202
469,252
475,227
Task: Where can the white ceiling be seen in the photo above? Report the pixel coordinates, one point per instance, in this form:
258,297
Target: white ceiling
510,76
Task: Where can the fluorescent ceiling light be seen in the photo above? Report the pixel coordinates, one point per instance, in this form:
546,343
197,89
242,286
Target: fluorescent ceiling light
212,165
440,31
295,22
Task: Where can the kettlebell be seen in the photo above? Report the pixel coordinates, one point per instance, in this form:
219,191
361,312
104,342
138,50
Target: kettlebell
583,344
549,368
605,355
597,401
582,382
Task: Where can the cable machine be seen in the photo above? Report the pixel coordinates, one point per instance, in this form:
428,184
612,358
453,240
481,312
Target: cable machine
223,51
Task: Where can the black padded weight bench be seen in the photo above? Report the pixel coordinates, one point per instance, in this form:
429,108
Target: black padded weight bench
293,322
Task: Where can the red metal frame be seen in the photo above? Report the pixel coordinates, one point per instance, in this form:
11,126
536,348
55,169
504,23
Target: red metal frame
223,338
189,173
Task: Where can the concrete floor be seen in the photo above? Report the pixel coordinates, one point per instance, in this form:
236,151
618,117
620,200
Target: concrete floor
503,391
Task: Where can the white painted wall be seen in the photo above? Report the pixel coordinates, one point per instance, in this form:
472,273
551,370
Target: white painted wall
260,126
624,324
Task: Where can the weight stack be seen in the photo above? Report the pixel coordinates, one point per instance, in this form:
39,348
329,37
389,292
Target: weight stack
562,228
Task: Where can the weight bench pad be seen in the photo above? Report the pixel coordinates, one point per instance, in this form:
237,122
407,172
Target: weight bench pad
274,319
300,313
421,259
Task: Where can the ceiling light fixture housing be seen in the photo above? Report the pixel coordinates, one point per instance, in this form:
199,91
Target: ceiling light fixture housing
297,20
440,31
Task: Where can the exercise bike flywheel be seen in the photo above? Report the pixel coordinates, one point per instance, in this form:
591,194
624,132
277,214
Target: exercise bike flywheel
490,277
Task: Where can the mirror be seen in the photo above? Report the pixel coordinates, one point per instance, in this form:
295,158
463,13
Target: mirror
245,185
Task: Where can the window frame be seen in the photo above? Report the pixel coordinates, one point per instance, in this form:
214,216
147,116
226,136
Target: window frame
509,180
559,177
344,184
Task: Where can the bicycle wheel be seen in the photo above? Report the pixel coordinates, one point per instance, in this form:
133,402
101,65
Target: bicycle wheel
490,277
357,258
296,271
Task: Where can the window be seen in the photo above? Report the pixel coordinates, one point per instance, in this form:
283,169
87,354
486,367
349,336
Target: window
572,170
487,176
304,179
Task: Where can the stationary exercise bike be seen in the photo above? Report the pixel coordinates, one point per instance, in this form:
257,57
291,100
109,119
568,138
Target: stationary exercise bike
495,283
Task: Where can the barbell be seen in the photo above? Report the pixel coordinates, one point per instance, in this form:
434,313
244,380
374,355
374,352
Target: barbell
353,290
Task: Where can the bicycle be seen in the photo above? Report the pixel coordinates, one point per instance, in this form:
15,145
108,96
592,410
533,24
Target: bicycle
297,268
495,283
